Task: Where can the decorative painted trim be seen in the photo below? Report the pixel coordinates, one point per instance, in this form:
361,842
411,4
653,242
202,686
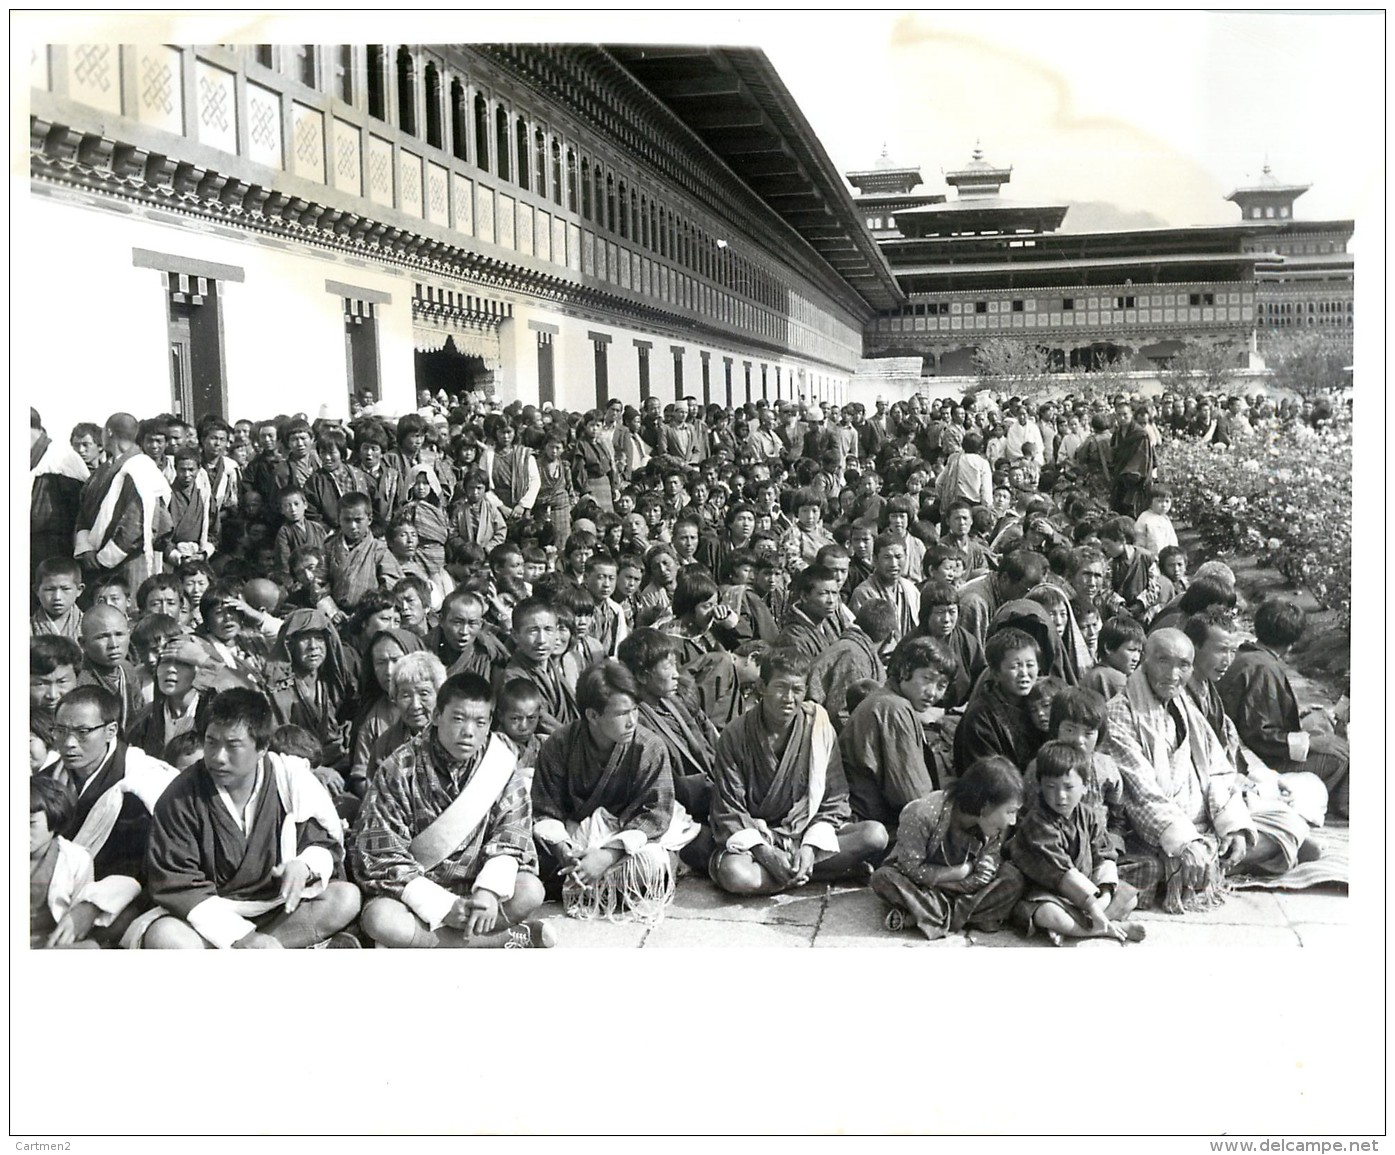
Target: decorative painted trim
599,338
541,327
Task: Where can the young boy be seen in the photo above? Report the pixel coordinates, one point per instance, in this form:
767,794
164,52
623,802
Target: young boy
629,578
1172,565
194,579
1080,718
577,551
1154,531
856,656
535,660
112,590
604,814
59,870
475,519
161,594
272,877
996,720
444,844
296,529
608,625
178,705
57,587
534,563
355,560
583,651
886,756
413,597
808,534
1120,650
54,664
308,587
1065,855
1087,617
946,563
516,711
890,585
1133,571
105,643
780,810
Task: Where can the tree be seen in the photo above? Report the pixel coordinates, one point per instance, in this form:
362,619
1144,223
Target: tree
1013,367
1309,362
1201,368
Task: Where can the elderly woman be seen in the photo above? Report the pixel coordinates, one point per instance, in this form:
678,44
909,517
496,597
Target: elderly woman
415,681
377,714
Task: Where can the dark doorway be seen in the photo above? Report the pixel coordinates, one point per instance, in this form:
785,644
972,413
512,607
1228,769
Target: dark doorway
449,369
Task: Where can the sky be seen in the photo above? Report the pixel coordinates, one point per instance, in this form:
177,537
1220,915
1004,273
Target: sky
1164,113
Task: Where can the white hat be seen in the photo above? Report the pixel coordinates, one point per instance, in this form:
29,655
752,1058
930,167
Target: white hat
813,413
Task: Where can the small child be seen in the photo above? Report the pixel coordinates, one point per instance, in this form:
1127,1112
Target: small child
1063,851
516,712
1087,617
307,570
1172,565
1120,651
1039,702
59,870
1153,529
534,563
1080,717
112,590
946,872
583,651
296,530
57,587
195,576
183,750
355,560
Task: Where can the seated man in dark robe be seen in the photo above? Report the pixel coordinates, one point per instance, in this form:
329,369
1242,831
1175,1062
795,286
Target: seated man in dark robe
246,849
854,657
1260,700
535,660
780,812
604,815
444,845
116,789
652,657
811,623
890,756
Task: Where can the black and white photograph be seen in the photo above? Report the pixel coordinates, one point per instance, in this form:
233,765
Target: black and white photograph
861,500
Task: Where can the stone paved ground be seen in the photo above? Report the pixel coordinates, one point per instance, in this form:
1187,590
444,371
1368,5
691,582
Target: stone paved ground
844,916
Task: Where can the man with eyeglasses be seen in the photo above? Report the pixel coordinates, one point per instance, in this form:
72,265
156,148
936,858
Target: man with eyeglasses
116,787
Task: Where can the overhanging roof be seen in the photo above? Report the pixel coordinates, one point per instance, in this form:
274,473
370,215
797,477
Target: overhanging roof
735,103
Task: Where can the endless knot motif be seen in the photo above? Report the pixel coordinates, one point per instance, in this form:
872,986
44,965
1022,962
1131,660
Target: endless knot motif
378,175
346,159
158,82
411,182
213,103
438,194
93,68
263,116
307,141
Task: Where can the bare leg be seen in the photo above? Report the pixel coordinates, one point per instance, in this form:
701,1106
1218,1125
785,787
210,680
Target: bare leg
392,924
739,873
170,933
857,843
316,920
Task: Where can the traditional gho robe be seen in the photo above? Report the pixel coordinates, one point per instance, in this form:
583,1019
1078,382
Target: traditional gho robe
68,626
994,723
57,879
608,626
888,758
291,537
1137,581
903,596
191,529
558,699
691,739
317,703
123,680
325,489
355,569
1180,786
800,632
788,800
809,542
1064,859
487,657
513,475
928,840
111,821
979,600
623,800
482,525
712,669
156,725
754,621
852,658
56,476
217,869
121,512
433,829
385,487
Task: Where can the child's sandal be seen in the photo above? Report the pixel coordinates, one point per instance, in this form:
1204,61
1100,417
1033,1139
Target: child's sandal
895,920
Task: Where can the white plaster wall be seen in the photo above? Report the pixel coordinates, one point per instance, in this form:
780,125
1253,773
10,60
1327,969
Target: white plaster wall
94,335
